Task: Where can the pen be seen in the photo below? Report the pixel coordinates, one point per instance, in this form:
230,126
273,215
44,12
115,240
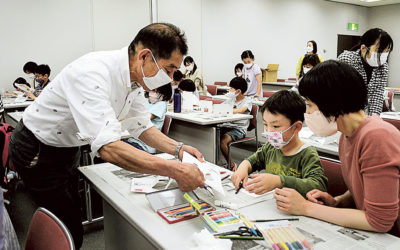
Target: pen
248,224
239,237
240,186
289,219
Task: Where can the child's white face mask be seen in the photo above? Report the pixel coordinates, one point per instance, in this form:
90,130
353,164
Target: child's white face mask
276,138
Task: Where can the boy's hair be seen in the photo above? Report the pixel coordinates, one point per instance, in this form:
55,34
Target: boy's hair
43,69
335,87
238,66
312,59
187,85
287,103
165,91
239,83
178,75
20,80
30,67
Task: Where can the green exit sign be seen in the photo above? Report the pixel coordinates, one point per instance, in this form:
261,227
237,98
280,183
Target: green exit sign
352,26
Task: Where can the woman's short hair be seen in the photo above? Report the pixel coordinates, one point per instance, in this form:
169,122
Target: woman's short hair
335,87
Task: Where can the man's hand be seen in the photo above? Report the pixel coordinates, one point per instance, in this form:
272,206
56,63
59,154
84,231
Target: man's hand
191,150
188,177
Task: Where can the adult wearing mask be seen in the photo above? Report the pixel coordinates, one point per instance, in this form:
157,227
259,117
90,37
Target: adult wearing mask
311,49
193,73
92,101
369,58
336,96
238,70
252,74
29,69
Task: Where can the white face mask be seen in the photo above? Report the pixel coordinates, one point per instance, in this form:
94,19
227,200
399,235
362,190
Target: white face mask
319,125
309,49
305,70
31,76
239,74
248,65
276,138
154,97
160,79
373,60
190,67
231,95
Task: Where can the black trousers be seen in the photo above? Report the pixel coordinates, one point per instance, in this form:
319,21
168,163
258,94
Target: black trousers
51,176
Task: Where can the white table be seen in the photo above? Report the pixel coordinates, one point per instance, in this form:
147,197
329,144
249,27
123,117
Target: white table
10,103
391,115
130,223
326,145
288,84
201,130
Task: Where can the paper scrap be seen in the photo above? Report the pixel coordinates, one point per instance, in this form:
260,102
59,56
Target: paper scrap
144,184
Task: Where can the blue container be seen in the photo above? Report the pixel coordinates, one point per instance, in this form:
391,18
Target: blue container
177,101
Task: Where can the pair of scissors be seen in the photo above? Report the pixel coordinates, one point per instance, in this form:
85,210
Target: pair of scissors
241,231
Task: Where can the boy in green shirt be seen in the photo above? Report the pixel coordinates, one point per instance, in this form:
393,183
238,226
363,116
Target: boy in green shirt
287,160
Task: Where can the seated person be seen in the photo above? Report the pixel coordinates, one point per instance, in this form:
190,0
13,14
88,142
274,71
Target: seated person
234,131
19,80
42,74
309,61
287,160
157,107
189,99
29,69
177,78
239,70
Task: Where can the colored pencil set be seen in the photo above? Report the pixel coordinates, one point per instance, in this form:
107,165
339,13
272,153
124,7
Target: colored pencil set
285,238
222,218
183,212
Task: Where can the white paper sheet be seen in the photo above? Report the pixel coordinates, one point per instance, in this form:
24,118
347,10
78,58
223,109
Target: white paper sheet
211,174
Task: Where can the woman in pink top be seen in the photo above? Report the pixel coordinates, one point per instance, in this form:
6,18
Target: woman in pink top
369,150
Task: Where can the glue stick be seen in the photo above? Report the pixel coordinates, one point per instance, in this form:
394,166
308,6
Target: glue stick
226,204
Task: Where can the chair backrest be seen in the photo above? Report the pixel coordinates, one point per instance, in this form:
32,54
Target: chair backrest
217,101
212,89
47,232
281,80
268,93
166,125
207,98
292,79
333,171
387,102
221,83
394,122
253,121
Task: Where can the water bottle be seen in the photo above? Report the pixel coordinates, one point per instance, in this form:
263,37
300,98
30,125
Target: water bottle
177,101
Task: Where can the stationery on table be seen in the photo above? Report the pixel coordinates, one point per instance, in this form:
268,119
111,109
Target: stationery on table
183,212
283,235
269,220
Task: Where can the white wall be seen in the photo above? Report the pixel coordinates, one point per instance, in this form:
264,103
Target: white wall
186,14
388,19
56,32
276,32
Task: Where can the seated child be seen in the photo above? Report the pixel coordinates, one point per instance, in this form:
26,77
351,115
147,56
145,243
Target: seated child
234,131
287,160
189,99
177,78
42,74
157,107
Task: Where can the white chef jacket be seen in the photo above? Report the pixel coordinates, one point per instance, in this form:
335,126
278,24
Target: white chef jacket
86,102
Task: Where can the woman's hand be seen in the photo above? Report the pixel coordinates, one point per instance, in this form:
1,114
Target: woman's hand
290,201
322,198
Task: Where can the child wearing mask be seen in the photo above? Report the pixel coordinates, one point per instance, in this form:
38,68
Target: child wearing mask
157,107
288,161
309,61
30,69
189,99
234,131
252,74
239,70
42,74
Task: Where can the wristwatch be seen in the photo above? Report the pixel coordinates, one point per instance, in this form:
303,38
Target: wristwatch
178,149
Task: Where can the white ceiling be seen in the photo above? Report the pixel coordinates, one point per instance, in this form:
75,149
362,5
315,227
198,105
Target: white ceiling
368,4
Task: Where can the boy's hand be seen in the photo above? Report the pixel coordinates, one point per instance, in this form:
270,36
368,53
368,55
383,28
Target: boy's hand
262,183
322,198
241,174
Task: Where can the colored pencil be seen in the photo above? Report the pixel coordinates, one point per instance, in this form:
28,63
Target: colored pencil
300,236
285,245
274,245
239,237
286,238
275,240
268,220
248,224
292,238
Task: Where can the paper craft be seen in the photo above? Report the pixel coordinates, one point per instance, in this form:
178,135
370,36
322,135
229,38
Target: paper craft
22,87
144,184
211,174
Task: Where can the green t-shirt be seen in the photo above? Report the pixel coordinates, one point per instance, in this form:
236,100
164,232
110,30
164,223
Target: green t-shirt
302,171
